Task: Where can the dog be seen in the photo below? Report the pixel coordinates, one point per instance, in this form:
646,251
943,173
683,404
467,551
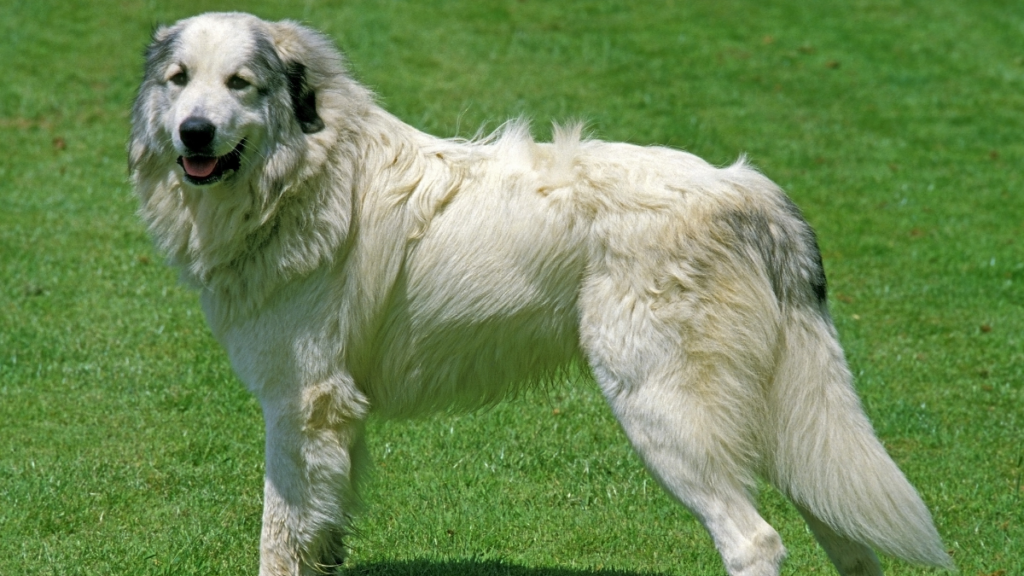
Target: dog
349,264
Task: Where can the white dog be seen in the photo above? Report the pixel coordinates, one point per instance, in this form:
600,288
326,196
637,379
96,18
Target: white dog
350,263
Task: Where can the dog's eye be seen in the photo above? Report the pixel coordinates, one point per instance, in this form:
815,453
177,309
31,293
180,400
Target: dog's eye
236,83
179,79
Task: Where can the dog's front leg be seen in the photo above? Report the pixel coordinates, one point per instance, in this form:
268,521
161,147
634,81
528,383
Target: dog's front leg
314,452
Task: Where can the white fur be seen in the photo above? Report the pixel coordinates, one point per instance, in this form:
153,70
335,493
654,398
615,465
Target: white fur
364,266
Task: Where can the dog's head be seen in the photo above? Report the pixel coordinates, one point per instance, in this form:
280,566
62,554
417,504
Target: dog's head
223,92
238,123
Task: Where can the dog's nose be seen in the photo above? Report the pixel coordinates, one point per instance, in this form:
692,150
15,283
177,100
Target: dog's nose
197,133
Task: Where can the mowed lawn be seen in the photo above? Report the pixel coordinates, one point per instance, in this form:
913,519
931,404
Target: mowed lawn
128,447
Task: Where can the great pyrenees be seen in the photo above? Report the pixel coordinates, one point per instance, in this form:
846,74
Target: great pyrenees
351,264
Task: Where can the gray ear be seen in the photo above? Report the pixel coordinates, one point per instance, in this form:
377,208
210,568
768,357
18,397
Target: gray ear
160,49
303,98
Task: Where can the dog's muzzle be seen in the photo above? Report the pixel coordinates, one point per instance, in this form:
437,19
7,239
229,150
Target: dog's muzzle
201,166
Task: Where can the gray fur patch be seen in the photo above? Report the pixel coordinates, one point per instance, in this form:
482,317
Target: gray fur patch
158,54
788,250
816,271
266,64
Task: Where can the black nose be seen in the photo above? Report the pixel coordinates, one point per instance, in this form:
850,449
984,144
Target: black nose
197,133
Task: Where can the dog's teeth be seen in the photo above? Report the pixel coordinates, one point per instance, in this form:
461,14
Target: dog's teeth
200,167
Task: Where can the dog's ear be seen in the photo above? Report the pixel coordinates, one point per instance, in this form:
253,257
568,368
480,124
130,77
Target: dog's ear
303,98
160,49
301,50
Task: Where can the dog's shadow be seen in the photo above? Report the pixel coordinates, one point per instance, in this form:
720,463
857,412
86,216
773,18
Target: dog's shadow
474,568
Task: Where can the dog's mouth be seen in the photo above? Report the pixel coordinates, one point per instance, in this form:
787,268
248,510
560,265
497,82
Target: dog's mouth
203,170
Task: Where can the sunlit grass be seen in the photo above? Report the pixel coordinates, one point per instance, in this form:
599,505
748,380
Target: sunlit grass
127,446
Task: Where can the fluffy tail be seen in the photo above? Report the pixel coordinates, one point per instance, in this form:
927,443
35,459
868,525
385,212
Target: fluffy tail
827,458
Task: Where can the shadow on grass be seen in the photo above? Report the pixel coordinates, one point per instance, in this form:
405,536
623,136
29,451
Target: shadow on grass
474,568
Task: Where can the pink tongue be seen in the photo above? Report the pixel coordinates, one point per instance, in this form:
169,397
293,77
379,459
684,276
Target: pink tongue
199,167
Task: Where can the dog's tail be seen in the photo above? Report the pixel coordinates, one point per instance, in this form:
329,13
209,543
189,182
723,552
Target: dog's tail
827,458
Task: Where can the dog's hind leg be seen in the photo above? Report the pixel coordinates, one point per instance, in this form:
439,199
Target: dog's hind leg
683,367
681,439
314,455
691,413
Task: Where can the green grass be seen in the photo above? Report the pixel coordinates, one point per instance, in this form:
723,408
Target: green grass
128,447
